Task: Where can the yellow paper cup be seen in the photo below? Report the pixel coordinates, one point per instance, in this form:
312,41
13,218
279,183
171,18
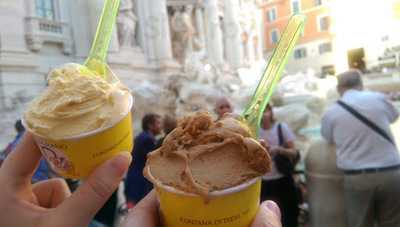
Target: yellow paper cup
77,156
233,207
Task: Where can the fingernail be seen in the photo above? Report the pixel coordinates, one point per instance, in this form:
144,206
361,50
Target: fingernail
121,162
272,206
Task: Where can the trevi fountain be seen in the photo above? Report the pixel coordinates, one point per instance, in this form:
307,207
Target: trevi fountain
177,56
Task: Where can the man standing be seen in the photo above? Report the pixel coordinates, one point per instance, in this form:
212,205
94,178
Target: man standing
169,123
222,106
137,186
358,125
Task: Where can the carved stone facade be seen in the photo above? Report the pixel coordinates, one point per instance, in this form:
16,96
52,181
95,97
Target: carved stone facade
39,31
227,30
126,24
151,40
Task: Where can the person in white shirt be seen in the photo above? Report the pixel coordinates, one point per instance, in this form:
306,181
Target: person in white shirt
277,186
368,156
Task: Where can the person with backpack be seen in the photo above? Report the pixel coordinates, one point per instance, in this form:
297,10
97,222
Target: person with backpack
359,126
278,185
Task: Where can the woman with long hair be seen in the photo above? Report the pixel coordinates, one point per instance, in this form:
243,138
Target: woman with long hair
278,185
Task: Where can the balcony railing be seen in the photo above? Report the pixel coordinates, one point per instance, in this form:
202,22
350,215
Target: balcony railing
41,30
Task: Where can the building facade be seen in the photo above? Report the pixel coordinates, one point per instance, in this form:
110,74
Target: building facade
337,35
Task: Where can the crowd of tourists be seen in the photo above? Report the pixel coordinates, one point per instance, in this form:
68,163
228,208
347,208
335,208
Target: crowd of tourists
358,125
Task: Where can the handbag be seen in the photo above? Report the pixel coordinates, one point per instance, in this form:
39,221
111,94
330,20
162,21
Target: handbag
284,164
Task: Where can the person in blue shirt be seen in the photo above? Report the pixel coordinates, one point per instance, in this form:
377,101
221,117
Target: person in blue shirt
136,185
43,171
11,146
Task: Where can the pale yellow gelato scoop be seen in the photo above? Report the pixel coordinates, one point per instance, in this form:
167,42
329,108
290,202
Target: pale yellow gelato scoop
74,104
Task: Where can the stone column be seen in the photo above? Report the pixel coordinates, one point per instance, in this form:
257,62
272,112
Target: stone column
12,24
232,32
18,66
141,10
31,11
114,43
200,24
14,45
250,48
213,33
259,29
62,11
95,9
153,20
81,27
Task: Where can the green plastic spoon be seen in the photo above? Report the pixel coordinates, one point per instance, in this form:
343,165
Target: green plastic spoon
252,115
95,64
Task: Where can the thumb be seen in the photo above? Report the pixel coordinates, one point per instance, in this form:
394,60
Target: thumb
145,213
95,191
268,215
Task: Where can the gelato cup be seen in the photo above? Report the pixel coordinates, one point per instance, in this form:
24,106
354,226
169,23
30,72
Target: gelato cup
232,207
77,156
207,173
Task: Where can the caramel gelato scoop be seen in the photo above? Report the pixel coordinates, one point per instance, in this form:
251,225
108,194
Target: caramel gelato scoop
201,156
74,104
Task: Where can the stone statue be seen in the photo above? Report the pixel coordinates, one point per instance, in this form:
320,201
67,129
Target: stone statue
183,32
177,47
126,23
248,25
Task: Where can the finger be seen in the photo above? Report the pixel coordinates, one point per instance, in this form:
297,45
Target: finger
22,162
268,215
95,191
145,213
263,143
51,193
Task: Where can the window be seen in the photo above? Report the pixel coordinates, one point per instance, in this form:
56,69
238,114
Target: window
325,48
296,8
324,23
384,38
45,9
274,36
318,2
300,53
271,15
328,70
